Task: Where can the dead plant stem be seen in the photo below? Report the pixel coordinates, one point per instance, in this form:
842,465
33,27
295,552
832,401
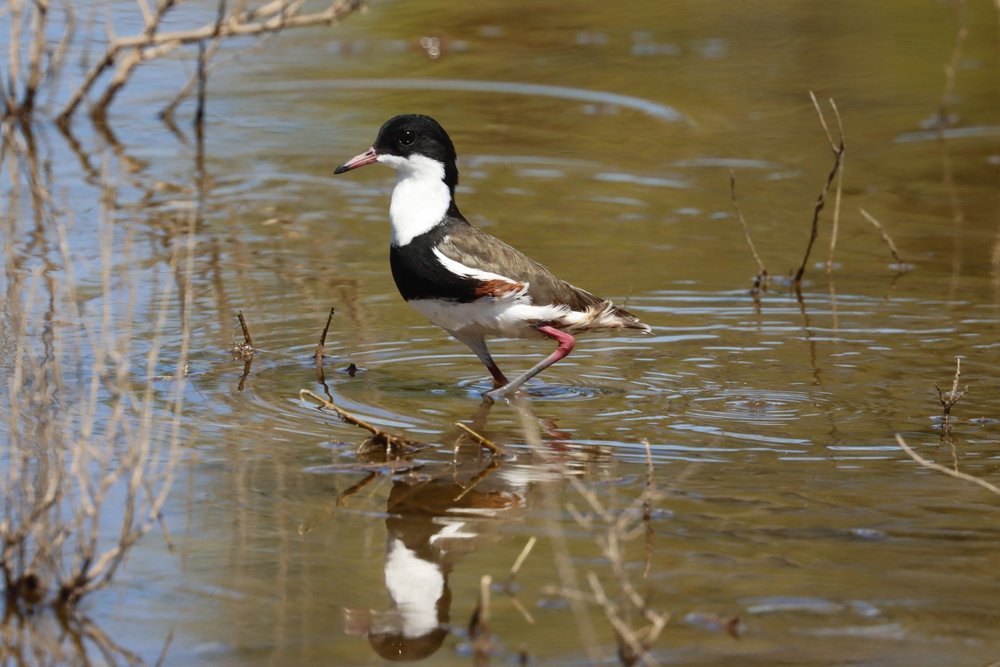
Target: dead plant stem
480,439
761,269
885,235
942,469
838,155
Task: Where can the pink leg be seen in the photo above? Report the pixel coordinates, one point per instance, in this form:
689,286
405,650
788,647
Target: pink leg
566,343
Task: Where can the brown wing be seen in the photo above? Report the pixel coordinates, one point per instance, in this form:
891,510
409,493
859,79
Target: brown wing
478,250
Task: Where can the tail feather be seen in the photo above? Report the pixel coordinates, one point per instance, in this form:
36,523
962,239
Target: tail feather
604,315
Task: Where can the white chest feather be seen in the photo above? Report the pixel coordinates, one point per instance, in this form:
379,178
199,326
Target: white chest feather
420,198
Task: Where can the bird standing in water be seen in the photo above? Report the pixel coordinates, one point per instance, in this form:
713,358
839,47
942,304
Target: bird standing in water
467,282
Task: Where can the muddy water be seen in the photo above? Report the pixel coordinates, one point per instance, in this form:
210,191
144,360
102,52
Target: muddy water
601,144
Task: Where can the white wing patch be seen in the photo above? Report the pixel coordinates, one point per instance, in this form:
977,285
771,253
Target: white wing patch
460,269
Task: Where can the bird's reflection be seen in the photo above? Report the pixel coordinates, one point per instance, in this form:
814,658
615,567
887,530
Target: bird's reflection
435,518
432,522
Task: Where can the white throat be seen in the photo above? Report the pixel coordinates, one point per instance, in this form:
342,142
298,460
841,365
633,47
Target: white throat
420,198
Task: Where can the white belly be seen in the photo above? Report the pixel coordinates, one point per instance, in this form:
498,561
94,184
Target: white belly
508,318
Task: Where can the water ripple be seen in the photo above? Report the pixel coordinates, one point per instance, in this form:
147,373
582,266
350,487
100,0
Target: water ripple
655,109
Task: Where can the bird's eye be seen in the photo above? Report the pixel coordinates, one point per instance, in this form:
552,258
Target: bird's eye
407,137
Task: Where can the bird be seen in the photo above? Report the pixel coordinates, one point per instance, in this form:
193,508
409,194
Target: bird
464,280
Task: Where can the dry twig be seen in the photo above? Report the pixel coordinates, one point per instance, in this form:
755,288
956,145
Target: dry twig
479,624
563,562
953,396
885,235
127,53
508,586
521,557
393,444
760,280
244,351
480,439
633,643
838,149
835,223
321,348
947,471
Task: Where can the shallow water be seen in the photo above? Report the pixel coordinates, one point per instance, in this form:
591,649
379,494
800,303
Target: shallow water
599,139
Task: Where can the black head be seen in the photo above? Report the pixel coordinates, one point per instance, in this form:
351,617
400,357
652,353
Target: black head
403,137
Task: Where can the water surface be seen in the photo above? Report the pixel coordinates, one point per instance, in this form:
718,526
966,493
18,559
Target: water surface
603,147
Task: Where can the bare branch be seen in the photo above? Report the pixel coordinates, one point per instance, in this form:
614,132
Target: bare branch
151,44
835,225
392,442
885,235
838,154
947,471
954,396
480,439
761,269
321,347
247,338
38,38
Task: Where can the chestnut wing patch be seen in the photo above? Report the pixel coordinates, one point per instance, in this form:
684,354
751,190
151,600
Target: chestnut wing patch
498,288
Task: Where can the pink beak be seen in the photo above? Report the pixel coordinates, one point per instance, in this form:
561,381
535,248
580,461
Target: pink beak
367,157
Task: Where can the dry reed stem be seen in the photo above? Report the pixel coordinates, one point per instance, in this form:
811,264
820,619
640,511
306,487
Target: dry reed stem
244,351
247,338
647,505
760,281
954,396
521,557
479,624
508,586
838,155
36,53
835,225
480,439
321,347
951,67
102,568
557,535
947,471
77,458
885,235
162,658
633,645
619,528
167,113
202,76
